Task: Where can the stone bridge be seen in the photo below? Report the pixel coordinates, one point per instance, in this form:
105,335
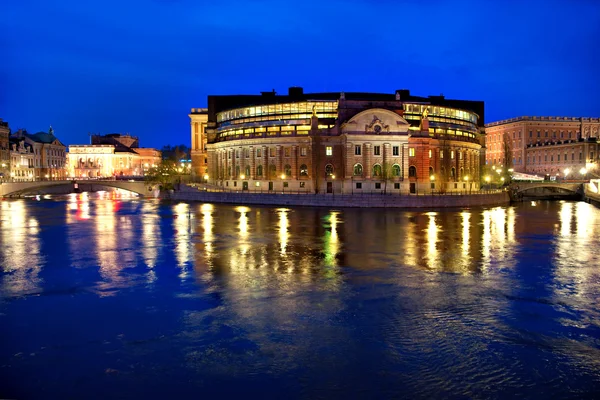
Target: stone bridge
18,188
574,187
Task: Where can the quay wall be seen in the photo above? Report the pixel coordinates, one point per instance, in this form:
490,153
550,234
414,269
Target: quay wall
343,200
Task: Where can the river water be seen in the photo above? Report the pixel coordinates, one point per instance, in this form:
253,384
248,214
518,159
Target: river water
105,296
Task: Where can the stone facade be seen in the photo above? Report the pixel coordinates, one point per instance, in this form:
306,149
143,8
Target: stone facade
49,154
544,145
4,151
340,143
198,121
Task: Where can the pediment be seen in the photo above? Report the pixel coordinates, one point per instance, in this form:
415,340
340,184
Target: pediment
376,121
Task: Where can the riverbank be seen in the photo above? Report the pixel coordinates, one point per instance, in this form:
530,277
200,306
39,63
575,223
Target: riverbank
339,200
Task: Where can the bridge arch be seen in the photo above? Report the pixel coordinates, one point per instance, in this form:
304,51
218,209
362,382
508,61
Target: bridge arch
520,187
17,188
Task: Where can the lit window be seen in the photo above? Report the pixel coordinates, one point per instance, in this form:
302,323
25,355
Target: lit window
358,169
452,154
430,153
329,150
411,152
302,184
258,153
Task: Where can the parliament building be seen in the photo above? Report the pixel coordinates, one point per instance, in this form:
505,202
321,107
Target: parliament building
339,142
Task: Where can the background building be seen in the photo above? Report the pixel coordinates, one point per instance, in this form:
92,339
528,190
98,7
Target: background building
22,160
199,155
49,154
4,150
111,155
544,145
340,142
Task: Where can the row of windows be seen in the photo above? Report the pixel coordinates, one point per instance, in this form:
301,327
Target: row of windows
271,152
565,159
307,107
441,111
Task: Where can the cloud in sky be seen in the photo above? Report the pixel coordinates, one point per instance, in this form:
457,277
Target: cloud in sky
139,66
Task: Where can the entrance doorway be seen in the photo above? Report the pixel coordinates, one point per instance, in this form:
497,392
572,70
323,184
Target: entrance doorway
244,185
329,187
270,185
413,187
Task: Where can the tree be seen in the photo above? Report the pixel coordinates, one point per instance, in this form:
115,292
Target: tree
175,153
387,174
164,174
445,164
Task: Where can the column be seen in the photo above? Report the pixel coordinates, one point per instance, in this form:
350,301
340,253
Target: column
349,161
252,163
265,161
367,157
278,160
294,162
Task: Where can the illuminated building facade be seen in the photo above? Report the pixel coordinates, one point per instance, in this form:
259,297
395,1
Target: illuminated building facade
22,161
4,150
342,142
544,145
110,156
198,122
49,154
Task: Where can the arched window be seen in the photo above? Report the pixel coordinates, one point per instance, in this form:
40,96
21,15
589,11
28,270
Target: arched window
237,171
452,173
462,173
395,170
430,171
303,170
376,170
259,171
272,171
412,171
247,171
328,170
229,171
287,170
358,170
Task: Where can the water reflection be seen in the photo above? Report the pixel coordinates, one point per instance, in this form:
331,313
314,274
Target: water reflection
21,258
441,302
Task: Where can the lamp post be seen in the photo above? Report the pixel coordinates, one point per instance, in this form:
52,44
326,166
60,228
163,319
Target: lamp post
583,171
487,181
567,172
432,180
282,183
205,178
466,178
333,185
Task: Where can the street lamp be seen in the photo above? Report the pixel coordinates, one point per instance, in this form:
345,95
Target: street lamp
567,172
432,179
282,183
205,178
242,176
583,171
333,184
487,181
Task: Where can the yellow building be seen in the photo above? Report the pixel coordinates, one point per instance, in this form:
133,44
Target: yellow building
111,156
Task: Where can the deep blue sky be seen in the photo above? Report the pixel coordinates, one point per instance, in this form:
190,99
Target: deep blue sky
139,66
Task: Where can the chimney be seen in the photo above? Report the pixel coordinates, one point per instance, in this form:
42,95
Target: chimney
402,94
295,91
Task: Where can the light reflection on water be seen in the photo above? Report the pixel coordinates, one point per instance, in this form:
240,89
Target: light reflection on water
474,302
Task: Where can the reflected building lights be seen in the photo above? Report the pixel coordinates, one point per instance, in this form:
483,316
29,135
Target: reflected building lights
21,249
466,217
182,227
432,238
151,237
331,240
284,224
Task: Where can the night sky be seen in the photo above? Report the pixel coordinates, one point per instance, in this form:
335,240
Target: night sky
133,66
